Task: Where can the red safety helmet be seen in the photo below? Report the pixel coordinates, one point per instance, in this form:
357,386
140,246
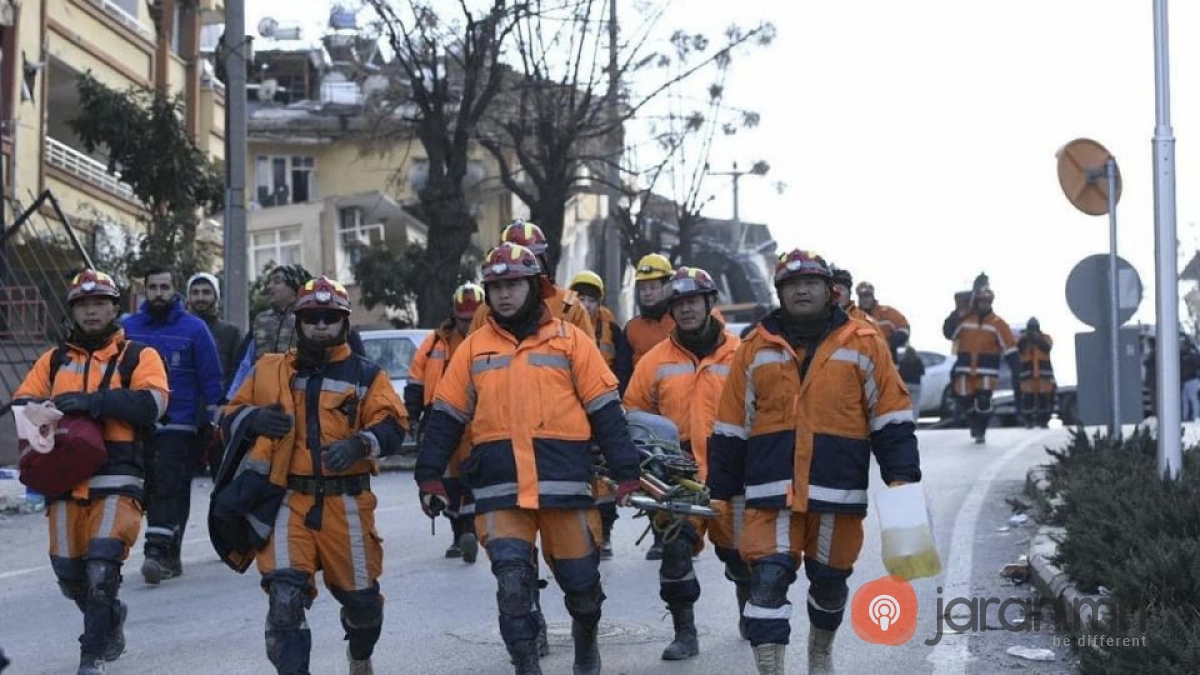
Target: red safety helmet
91,284
525,234
797,263
323,293
690,281
510,261
467,299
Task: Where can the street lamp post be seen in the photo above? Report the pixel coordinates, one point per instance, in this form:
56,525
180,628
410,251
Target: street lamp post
759,169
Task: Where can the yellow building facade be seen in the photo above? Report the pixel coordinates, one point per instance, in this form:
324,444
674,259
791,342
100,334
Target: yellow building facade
47,46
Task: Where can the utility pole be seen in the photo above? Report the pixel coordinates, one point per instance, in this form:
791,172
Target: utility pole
614,270
756,170
235,300
1166,287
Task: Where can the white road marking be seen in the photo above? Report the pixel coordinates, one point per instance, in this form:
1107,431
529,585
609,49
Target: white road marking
950,657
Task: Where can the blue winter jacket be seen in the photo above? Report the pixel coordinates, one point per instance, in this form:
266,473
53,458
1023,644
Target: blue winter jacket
193,366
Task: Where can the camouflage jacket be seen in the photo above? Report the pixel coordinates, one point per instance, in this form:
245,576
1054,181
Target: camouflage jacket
274,331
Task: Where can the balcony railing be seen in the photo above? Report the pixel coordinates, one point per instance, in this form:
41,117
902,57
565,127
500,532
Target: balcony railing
76,163
124,18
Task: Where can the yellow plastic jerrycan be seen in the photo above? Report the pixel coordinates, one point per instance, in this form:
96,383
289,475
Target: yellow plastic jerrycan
909,550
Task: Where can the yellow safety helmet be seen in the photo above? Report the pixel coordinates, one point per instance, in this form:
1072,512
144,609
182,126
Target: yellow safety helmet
588,278
654,266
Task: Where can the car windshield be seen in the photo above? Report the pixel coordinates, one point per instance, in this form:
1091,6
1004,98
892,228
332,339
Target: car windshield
394,355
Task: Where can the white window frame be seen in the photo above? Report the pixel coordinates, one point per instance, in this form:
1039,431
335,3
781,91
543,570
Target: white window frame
357,232
275,248
264,177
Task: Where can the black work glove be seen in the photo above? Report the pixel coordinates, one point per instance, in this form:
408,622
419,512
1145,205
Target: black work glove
79,403
271,421
341,455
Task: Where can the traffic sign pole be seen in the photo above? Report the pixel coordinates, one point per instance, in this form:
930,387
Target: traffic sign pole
1114,323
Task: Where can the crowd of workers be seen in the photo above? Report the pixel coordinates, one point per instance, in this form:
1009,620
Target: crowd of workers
519,402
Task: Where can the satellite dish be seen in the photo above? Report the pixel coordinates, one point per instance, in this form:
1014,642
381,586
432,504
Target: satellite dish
267,27
267,90
270,29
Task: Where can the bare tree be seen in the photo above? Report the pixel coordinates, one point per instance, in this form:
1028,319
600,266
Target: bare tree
553,132
444,75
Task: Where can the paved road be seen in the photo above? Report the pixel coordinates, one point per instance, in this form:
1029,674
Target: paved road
440,616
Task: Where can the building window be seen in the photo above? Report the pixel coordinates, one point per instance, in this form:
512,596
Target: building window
285,180
354,237
284,246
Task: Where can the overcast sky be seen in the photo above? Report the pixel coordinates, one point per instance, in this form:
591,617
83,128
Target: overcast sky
918,141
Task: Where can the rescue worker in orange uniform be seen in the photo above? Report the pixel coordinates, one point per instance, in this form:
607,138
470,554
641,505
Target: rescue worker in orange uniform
563,304
315,419
423,376
811,395
1037,375
843,281
983,340
590,288
681,378
532,391
891,322
93,525
652,279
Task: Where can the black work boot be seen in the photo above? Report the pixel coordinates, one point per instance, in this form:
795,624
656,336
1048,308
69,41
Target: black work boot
686,643
525,657
116,643
89,664
587,646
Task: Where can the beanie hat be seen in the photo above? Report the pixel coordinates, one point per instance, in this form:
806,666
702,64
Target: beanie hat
294,276
212,281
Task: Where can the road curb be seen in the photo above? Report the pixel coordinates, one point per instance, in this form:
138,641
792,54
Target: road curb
1072,606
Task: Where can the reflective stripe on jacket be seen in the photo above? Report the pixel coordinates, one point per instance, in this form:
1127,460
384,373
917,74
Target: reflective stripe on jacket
531,409
669,381
807,445
348,395
983,342
124,470
423,377
1035,357
890,321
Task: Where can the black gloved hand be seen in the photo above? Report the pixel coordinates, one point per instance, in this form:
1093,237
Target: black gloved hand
271,422
77,403
341,455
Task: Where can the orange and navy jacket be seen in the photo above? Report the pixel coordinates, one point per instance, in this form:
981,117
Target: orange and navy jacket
1035,357
670,381
423,377
892,325
347,395
564,304
427,367
642,333
146,400
796,427
983,342
608,336
531,408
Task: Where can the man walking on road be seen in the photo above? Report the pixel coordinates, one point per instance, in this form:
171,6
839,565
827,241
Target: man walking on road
532,390
194,374
308,426
681,378
811,395
96,374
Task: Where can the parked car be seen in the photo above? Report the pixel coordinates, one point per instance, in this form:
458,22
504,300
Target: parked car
394,351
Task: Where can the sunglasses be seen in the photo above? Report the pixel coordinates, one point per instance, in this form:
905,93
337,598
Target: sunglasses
327,317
